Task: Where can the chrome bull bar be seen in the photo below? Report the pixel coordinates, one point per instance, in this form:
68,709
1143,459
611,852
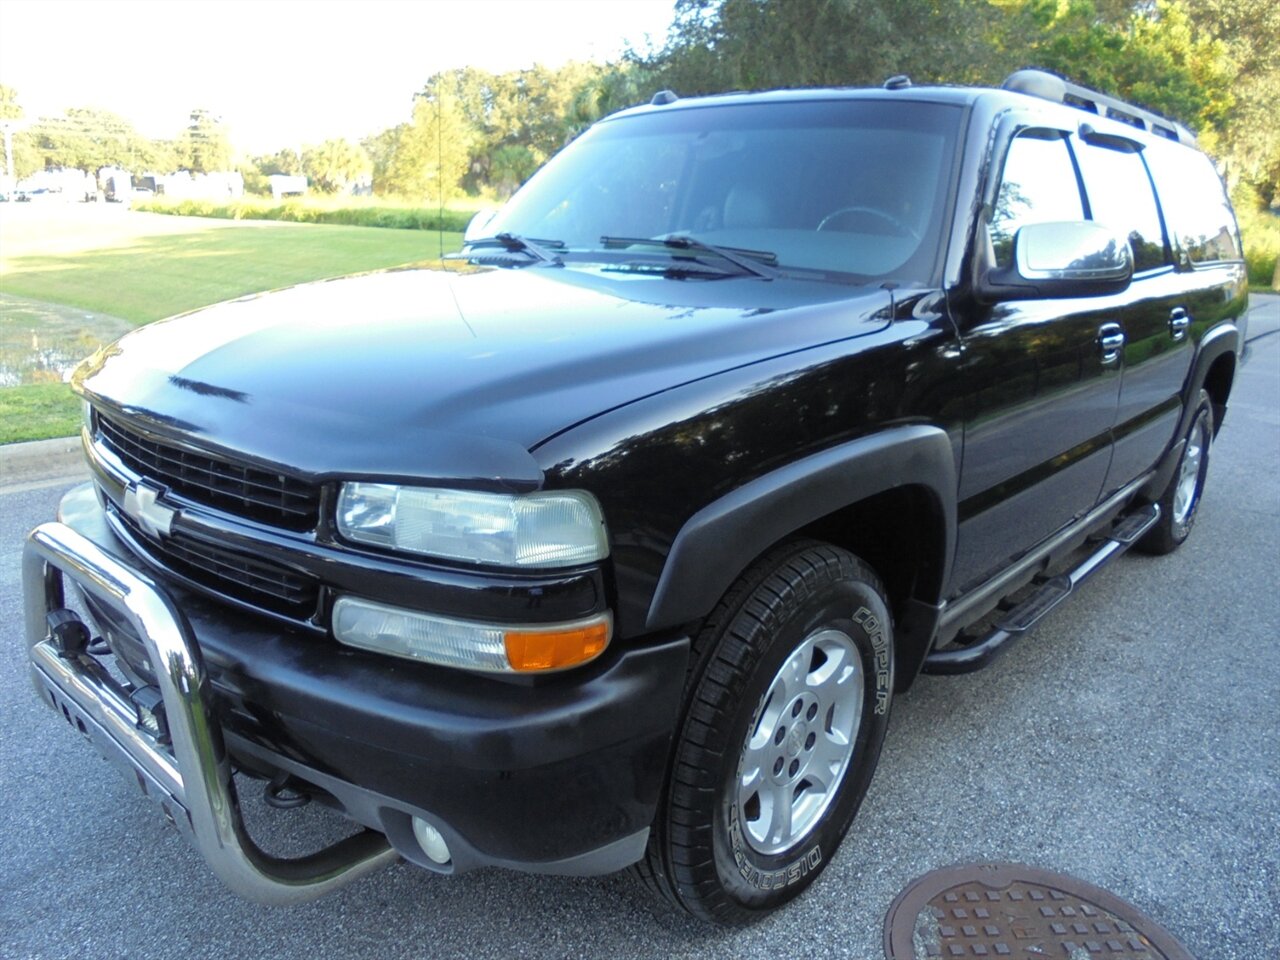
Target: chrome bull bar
191,777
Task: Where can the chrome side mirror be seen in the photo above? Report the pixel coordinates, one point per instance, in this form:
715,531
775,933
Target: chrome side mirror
1073,258
1072,250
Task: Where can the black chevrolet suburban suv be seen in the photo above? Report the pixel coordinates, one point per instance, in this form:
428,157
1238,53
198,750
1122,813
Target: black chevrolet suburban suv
611,547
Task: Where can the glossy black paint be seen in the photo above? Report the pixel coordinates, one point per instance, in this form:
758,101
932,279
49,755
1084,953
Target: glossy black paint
763,511
1038,419
576,759
450,590
658,462
443,377
710,417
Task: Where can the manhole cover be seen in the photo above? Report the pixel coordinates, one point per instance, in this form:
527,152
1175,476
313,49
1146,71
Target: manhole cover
1008,910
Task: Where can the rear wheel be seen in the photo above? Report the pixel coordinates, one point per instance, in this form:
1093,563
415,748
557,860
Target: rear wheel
1181,499
787,706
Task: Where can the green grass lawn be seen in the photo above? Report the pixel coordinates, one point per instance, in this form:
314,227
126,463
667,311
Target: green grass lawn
158,276
142,267
38,411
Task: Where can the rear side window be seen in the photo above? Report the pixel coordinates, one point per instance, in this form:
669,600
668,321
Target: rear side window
1038,186
1120,196
1195,204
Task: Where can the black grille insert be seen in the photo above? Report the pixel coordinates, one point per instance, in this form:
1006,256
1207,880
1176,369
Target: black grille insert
235,488
254,581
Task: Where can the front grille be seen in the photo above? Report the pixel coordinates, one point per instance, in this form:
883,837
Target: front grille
235,488
257,582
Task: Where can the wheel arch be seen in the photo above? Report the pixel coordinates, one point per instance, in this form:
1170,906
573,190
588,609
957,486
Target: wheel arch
1217,383
1214,370
889,498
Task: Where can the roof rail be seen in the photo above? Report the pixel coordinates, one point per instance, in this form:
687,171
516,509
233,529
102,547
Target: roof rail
1049,86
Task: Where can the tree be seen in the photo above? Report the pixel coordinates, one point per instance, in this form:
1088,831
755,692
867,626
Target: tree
205,145
256,170
516,120
1214,65
1148,53
334,165
718,45
10,109
88,139
508,167
612,88
426,158
1250,137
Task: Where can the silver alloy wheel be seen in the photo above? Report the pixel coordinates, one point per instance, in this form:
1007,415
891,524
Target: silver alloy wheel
799,748
1188,490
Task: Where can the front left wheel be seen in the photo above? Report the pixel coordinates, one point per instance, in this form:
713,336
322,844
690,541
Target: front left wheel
787,707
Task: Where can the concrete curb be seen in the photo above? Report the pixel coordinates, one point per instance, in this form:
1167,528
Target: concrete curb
39,460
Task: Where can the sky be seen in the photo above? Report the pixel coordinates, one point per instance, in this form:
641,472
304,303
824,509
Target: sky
283,73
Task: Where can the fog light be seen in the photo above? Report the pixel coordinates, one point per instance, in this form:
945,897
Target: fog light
431,841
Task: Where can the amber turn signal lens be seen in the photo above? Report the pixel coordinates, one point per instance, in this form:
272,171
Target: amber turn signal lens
556,649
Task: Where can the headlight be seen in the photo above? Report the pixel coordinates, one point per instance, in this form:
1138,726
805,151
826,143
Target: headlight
555,529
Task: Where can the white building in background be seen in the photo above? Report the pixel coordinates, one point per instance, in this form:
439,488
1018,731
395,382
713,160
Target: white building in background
216,185
67,184
283,185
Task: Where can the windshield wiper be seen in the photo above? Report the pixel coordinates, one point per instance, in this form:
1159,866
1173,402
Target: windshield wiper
748,261
514,243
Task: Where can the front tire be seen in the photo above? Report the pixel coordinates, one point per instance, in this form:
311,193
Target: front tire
787,706
1181,499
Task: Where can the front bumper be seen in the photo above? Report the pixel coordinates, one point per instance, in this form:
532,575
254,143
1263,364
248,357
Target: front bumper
559,775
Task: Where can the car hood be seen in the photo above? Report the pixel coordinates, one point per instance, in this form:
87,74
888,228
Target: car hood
426,374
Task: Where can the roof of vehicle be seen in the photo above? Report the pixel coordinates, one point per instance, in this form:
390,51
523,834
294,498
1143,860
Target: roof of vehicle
960,96
1023,88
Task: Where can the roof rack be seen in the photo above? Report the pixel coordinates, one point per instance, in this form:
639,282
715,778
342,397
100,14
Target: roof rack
1049,86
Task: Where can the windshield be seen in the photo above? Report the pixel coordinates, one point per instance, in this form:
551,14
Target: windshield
851,187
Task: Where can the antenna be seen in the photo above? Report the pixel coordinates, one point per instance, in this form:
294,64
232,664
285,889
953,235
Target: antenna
440,176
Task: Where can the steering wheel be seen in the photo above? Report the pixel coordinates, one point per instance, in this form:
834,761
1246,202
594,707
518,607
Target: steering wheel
889,218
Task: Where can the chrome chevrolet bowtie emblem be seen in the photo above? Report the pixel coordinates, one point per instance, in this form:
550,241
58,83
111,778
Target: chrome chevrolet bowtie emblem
140,503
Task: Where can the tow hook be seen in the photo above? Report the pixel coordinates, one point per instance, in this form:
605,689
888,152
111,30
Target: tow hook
285,792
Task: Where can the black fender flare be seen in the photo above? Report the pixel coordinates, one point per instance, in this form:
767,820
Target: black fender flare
1222,339
718,542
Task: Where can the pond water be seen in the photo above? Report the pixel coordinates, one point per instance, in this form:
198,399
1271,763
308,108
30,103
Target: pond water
45,342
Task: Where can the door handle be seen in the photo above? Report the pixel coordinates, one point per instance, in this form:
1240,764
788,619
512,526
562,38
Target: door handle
1179,323
1110,342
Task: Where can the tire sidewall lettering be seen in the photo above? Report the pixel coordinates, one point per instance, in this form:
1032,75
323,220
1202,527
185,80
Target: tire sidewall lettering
765,879
883,661
763,873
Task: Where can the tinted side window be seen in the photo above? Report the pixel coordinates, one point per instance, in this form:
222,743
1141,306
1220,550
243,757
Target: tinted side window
1120,196
1195,204
1039,186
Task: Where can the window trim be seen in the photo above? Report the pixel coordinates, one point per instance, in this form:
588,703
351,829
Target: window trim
1005,145
1127,146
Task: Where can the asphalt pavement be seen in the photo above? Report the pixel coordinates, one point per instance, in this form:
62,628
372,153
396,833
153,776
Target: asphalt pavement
1133,740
